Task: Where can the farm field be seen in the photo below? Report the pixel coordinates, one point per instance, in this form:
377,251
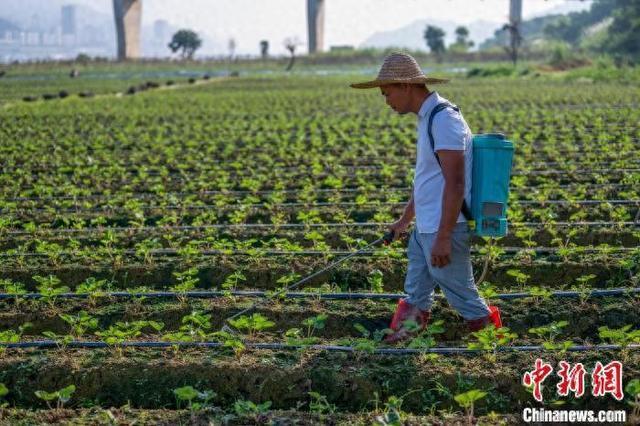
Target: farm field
132,226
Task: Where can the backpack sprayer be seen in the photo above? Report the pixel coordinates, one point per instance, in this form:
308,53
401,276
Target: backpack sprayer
491,172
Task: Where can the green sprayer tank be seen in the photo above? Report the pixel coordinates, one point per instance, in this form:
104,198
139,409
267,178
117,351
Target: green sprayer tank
492,159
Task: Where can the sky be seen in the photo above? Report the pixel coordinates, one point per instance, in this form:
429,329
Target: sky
347,22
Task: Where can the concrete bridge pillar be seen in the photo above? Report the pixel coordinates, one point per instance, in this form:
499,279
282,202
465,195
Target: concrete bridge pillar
128,15
315,24
515,12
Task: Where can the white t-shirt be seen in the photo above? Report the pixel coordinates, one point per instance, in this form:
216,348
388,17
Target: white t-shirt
450,132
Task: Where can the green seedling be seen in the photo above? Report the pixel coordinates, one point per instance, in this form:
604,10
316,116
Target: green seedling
279,293
12,336
490,339
61,396
526,235
539,293
189,394
366,343
352,242
231,282
250,409
426,338
52,250
144,249
375,281
294,337
623,336
520,277
252,324
318,240
4,391
94,288
121,332
50,287
229,342
13,288
61,340
467,401
315,323
190,252
583,288
187,280
80,323
633,394
195,327
309,217
549,333
491,252
320,405
393,414
487,291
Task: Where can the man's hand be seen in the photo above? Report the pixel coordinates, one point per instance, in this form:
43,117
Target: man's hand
441,251
399,228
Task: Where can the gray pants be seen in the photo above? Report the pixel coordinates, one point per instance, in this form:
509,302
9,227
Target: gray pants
455,279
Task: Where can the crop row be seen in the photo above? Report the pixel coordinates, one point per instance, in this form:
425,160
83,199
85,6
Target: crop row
303,236
286,379
516,273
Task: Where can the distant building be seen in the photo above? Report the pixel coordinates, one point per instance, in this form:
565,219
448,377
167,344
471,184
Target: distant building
69,26
161,31
52,38
69,20
155,44
9,32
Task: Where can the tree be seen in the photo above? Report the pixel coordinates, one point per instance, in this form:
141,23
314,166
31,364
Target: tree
232,47
434,37
264,49
462,43
624,31
186,40
563,29
515,42
291,44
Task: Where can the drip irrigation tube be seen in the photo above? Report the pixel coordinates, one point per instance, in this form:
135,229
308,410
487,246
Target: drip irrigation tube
614,292
78,344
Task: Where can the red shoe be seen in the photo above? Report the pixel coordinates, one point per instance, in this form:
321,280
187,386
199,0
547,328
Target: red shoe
406,312
480,323
495,316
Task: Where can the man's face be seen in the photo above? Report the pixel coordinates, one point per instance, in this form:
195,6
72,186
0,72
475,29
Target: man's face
397,97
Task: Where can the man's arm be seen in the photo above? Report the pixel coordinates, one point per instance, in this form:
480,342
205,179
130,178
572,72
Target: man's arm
452,163
401,225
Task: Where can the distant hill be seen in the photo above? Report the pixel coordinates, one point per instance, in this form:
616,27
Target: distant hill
411,36
530,30
570,27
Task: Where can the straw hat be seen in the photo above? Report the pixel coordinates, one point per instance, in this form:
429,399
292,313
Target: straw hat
399,68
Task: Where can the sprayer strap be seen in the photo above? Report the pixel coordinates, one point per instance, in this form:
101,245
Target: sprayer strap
466,212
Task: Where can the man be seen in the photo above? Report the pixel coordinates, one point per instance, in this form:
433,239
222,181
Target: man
438,248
